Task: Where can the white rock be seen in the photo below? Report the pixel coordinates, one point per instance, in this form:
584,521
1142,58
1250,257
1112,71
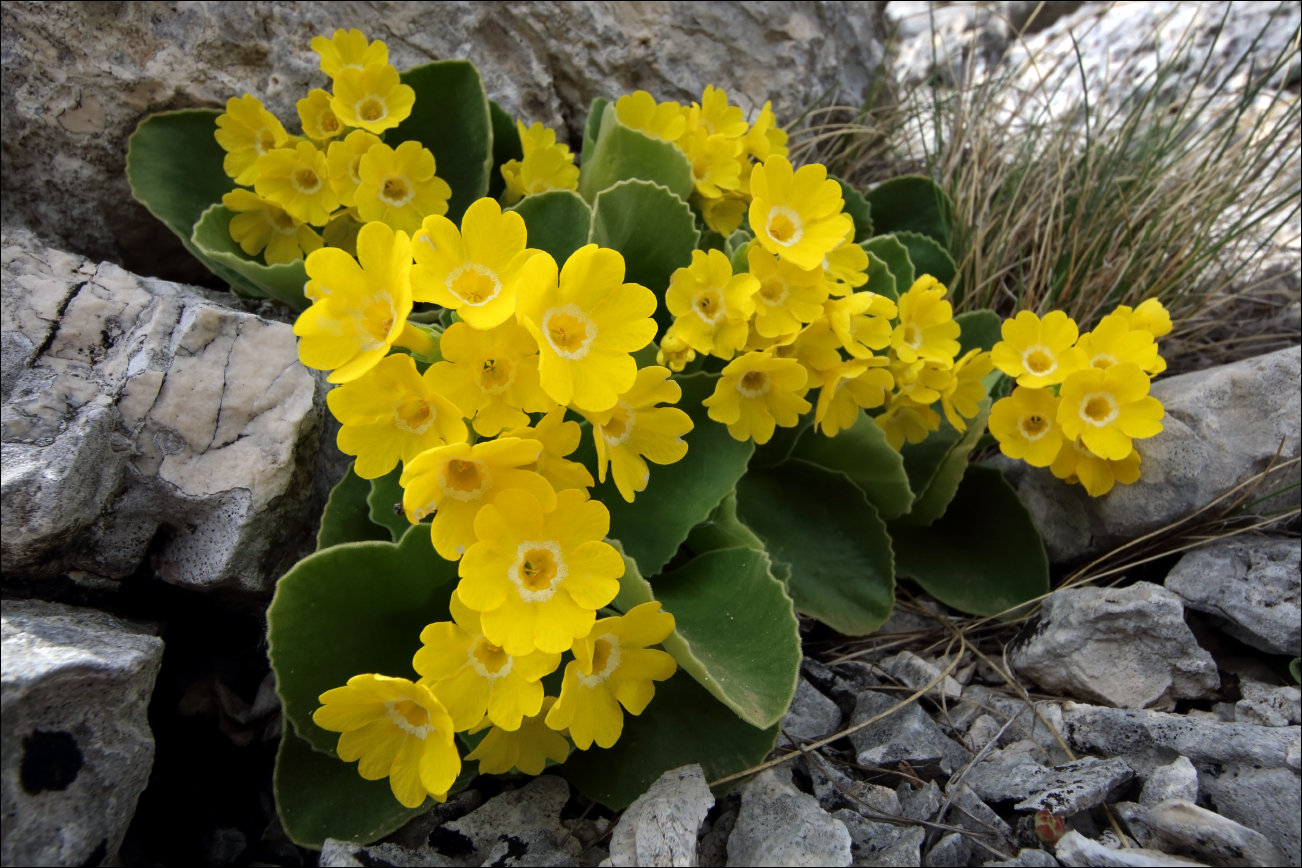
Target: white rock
908,734
1265,705
1080,852
951,851
1064,790
1038,725
77,749
811,715
1128,647
912,671
968,811
1183,828
1253,585
1178,780
346,854
660,827
1028,858
1268,800
147,418
919,804
779,825
536,805
882,844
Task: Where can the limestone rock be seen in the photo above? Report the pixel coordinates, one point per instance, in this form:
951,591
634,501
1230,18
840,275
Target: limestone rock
1268,800
346,854
1265,705
882,844
1076,786
779,825
1178,780
77,79
1184,828
77,748
951,851
908,734
912,671
1128,647
1077,851
919,804
968,811
660,827
1253,586
811,715
1205,450
1028,858
145,417
535,806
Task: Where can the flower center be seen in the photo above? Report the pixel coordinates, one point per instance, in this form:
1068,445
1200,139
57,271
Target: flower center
1034,426
709,306
413,414
1039,361
472,283
616,432
605,660
353,168
306,181
372,109
753,384
913,335
464,479
774,292
1099,408
266,140
281,222
784,226
490,661
537,570
375,322
1103,361
329,123
409,716
496,375
569,332
396,190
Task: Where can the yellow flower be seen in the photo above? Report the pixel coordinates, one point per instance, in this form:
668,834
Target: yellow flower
345,159
1113,340
472,271
318,119
1026,425
961,398
397,730
491,375
1149,316
926,329
908,420
537,137
815,347
455,481
538,575
360,310
260,224
1107,408
472,677
559,438
846,267
922,381
861,322
639,111
298,180
674,353
848,387
526,749
587,323
716,116
713,306
399,187
1038,352
1076,463
613,666
766,138
392,412
788,295
723,214
546,164
246,131
373,98
342,231
714,159
756,392
635,428
797,215
348,49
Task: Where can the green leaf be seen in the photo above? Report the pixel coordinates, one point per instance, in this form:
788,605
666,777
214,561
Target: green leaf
352,609
820,523
506,147
932,502
652,228
384,499
740,258
591,127
1295,669
678,496
880,279
980,330
212,238
984,556
782,443
858,209
895,255
722,530
928,257
557,221
738,239
684,724
621,153
911,203
347,518
451,118
862,454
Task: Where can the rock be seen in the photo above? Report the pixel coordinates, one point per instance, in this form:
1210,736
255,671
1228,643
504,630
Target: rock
1128,647
1077,851
1177,780
77,748
1203,453
912,671
1064,790
779,825
811,715
659,828
535,806
908,734
223,846
1185,829
983,730
530,847
882,844
143,417
920,804
951,851
1252,585
1038,725
967,810
77,80
1268,800
1027,858
1265,705
1134,818
713,848
1010,774
346,854
836,790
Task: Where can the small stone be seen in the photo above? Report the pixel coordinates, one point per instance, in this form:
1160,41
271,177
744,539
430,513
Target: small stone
1128,647
951,851
984,730
1178,780
882,844
1268,800
530,847
537,805
912,671
1027,858
1077,851
1007,775
908,734
970,812
1135,819
811,715
713,848
920,804
1253,585
1076,786
1185,829
660,827
346,854
1265,705
1038,725
779,825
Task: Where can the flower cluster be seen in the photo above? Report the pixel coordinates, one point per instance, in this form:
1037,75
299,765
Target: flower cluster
546,165
530,337
338,174
1081,400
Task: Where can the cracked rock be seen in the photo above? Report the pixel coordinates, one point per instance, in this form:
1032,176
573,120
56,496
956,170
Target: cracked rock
811,715
77,748
1185,829
1178,780
882,844
970,812
1064,790
1265,705
535,806
779,825
660,827
1028,858
908,734
1077,851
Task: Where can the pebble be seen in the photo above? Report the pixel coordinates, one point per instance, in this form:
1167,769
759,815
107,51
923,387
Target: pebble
1077,851
951,851
779,825
811,715
908,734
1027,858
1185,829
885,845
1178,780
660,827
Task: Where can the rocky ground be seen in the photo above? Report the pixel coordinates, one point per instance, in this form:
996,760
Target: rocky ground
159,438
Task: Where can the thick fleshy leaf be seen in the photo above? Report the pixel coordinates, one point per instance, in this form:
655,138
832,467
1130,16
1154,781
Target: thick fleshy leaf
620,153
984,556
384,500
820,523
880,279
212,238
948,470
722,530
928,257
557,221
782,443
911,203
895,255
351,609
738,239
980,330
684,724
591,127
739,257
347,517
858,209
506,147
452,119
678,496
862,454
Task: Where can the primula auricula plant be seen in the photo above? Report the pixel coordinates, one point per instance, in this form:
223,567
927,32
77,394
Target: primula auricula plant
614,423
